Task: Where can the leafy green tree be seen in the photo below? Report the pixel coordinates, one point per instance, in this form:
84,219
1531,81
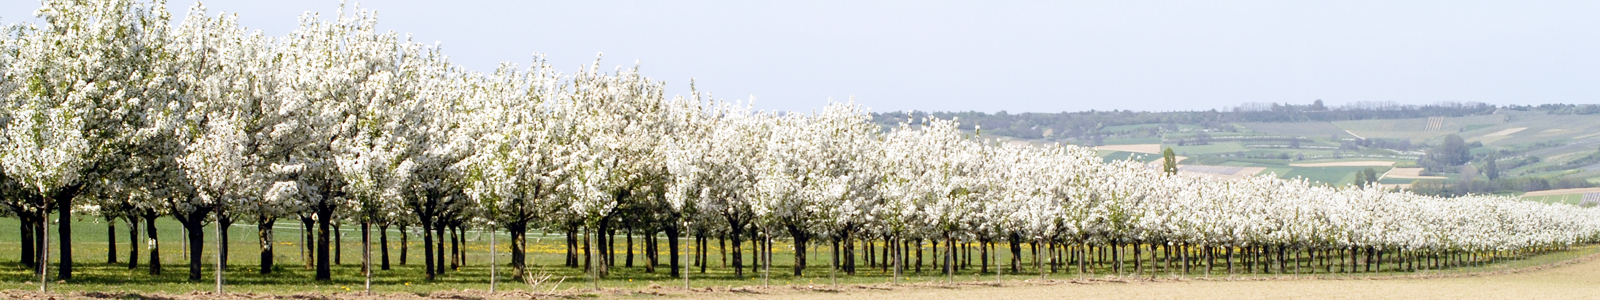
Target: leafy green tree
1453,151
1169,162
1490,169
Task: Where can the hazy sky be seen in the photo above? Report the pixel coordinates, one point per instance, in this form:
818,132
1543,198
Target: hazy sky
1019,56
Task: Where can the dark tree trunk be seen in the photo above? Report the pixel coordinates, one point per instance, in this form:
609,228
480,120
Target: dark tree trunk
111,241
324,271
64,231
835,243
519,246
338,243
427,248
602,246
405,243
461,256
849,254
672,242
196,234
917,244
800,240
705,253
29,255
588,261
155,245
738,256
438,230
133,242
383,248
652,251
455,248
628,258
222,239
366,247
983,256
264,239
572,247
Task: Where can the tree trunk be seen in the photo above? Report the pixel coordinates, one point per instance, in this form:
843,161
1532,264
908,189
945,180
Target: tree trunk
405,243
983,256
519,244
438,230
588,255
427,248
196,235
64,231
738,255
366,250
628,258
111,241
673,233
849,245
383,248
800,241
1016,254
652,251
572,247
154,244
338,243
133,242
223,223
30,257
704,251
455,248
324,271
264,239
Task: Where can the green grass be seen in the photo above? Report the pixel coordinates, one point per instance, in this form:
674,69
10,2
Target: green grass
1416,129
1329,175
290,276
1124,155
1573,199
1313,130
1133,141
1217,147
1396,181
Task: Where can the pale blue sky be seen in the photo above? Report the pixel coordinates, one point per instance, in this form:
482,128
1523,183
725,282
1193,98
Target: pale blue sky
1021,56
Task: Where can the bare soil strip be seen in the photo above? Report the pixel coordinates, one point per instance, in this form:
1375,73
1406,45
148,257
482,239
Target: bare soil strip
1575,279
1408,173
1506,132
1562,192
1219,172
1139,148
1571,279
1364,163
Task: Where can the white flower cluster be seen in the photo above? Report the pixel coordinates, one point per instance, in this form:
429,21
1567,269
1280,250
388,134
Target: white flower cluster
337,121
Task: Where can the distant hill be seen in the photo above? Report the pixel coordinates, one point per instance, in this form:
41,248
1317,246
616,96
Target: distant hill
1534,148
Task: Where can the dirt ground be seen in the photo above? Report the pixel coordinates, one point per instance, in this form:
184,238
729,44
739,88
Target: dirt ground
1562,192
1365,163
1140,148
1575,279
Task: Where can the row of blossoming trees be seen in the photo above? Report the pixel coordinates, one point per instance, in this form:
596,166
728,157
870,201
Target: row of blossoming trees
113,111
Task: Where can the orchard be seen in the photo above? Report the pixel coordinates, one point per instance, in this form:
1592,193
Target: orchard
111,111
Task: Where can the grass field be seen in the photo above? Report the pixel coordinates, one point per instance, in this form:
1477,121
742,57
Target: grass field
93,274
1565,275
1111,156
1417,129
1315,130
1329,175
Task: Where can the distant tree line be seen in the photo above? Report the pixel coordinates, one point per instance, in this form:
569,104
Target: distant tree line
1560,109
1091,127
